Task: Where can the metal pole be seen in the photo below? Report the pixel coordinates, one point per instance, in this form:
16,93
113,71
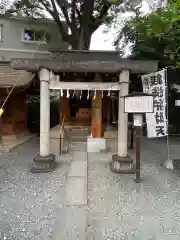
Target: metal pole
132,136
60,147
169,162
109,110
167,114
138,132
68,139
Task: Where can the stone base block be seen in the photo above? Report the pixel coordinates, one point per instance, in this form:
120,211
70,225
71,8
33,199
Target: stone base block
169,164
175,164
43,164
96,144
172,164
122,165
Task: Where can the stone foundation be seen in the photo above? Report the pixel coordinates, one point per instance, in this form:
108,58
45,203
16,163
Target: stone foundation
122,165
43,164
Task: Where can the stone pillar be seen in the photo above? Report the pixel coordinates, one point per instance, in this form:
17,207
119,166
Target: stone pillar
44,113
121,162
123,117
44,161
95,143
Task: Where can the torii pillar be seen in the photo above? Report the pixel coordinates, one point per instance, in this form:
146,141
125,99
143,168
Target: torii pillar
121,162
44,161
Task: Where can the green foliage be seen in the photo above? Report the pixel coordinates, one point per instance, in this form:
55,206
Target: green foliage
114,1
157,35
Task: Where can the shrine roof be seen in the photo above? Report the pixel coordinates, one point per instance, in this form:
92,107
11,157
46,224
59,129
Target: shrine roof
85,61
10,77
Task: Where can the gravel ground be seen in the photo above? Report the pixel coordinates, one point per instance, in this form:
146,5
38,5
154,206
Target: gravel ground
30,204
33,207
120,209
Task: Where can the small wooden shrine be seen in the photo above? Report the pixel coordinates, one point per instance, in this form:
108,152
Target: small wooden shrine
14,118
95,74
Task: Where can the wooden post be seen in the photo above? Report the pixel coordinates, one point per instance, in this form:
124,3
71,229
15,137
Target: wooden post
97,116
109,111
97,111
96,143
138,132
64,109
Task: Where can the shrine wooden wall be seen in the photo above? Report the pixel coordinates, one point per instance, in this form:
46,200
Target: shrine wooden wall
14,118
64,110
83,115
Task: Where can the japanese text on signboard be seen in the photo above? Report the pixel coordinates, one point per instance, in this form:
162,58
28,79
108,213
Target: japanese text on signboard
155,83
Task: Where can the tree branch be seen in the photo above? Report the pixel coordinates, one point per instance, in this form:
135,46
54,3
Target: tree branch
73,9
87,11
78,14
99,20
54,13
64,8
73,16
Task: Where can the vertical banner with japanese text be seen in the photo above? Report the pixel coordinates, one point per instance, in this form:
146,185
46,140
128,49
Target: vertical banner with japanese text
155,83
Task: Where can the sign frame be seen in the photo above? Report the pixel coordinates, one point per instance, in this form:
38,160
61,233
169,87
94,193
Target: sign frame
138,122
136,96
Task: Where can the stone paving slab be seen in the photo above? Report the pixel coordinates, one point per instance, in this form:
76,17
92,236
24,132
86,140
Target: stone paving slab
78,169
76,191
79,155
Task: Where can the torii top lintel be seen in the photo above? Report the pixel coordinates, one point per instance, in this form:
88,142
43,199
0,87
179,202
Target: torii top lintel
85,61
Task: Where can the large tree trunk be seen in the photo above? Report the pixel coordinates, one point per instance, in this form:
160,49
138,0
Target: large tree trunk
81,30
85,29
84,40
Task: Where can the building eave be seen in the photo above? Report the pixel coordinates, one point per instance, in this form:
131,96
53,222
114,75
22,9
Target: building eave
10,77
27,19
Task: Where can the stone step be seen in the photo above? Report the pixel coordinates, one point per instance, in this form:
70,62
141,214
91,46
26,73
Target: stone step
79,135
80,132
78,147
81,129
79,139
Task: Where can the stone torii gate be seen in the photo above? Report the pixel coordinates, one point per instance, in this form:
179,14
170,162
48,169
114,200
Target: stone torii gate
79,62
